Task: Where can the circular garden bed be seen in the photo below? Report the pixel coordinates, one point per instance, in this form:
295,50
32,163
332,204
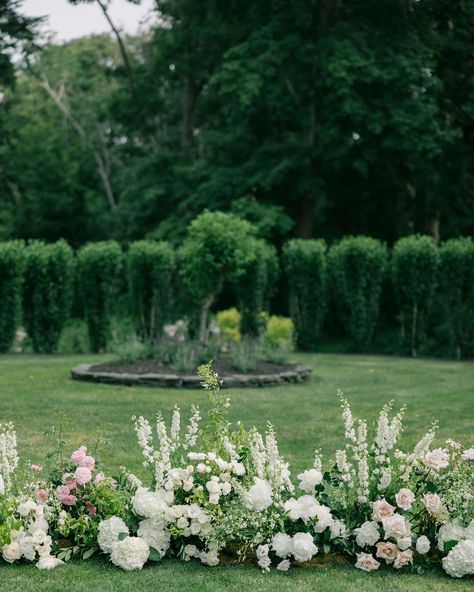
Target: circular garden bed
156,374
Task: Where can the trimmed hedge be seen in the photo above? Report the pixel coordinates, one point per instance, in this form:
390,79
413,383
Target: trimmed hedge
357,265
415,264
11,275
47,292
306,270
99,266
150,267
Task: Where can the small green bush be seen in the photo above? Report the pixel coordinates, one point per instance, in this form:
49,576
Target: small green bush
228,322
74,338
256,286
47,292
99,266
457,281
279,331
277,354
150,273
11,275
415,262
218,248
305,266
245,355
357,265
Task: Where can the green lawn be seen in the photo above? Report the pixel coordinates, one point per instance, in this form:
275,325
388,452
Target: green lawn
35,389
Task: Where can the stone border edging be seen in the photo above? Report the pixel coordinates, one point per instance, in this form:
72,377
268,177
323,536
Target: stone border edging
86,373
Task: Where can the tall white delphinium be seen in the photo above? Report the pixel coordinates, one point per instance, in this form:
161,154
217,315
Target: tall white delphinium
162,455
192,431
175,429
387,434
145,439
8,455
277,469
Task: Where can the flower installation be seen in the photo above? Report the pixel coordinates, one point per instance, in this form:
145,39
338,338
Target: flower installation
218,492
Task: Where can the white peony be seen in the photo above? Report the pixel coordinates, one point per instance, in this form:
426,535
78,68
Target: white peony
466,455
367,534
405,498
11,552
153,531
309,479
304,508
459,562
260,495
338,529
282,544
325,519
396,526
148,503
423,544
303,546
26,508
131,553
437,459
48,562
109,531
366,562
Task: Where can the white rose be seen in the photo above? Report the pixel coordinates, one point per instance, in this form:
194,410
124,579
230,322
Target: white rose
309,479
405,498
396,526
387,551
423,545
48,562
403,559
282,544
381,509
303,546
131,553
11,552
432,502
437,459
366,562
404,543
367,534
304,508
213,486
260,495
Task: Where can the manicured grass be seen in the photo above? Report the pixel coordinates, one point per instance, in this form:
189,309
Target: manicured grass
34,390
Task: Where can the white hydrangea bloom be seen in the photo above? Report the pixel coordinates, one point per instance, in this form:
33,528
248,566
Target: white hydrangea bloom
149,503
459,562
154,532
131,553
109,532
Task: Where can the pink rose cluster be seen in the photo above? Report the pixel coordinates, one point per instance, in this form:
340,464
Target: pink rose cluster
71,481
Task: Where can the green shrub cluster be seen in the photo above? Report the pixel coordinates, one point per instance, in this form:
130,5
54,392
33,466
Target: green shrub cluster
11,274
306,269
98,267
150,267
47,292
357,265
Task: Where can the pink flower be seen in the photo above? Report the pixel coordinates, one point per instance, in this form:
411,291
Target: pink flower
91,508
99,478
83,475
41,495
88,462
69,480
78,455
64,496
36,468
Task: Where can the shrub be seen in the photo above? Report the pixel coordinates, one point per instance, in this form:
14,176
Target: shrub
245,355
255,287
415,262
279,331
150,273
47,292
228,322
11,274
74,338
457,280
218,248
277,354
357,265
305,267
99,266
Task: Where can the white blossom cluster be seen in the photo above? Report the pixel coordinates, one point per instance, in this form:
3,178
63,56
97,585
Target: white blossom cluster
8,456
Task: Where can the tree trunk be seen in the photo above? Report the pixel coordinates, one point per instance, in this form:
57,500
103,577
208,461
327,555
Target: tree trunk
204,316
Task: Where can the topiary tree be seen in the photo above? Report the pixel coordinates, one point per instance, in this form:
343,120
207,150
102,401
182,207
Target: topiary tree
457,281
256,286
99,265
11,274
218,247
305,266
150,267
47,292
357,265
415,263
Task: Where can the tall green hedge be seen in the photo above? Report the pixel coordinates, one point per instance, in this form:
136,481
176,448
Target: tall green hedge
150,267
357,265
255,288
47,292
11,274
415,263
99,266
306,270
457,281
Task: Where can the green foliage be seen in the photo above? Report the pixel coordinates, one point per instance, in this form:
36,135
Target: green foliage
306,271
279,331
228,322
150,272
47,292
256,286
357,266
99,265
218,247
415,262
245,355
11,272
277,354
457,281
74,338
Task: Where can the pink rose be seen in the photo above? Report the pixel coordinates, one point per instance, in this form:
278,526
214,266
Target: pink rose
68,479
64,495
41,495
78,455
91,508
99,478
82,475
387,551
89,462
366,562
382,509
36,468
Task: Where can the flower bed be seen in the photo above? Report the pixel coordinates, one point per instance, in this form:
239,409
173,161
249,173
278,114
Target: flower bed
214,489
